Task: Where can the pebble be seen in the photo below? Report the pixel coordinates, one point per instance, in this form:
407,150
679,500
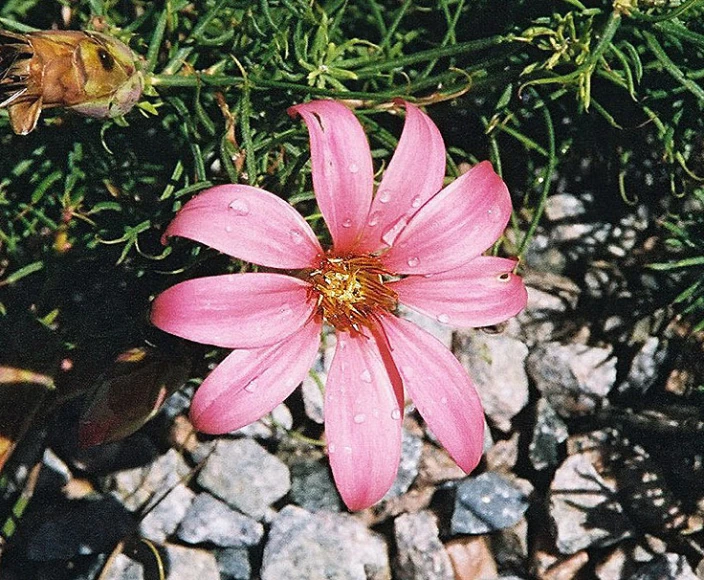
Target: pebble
549,432
211,520
306,546
496,364
142,487
486,503
666,567
245,476
162,520
312,486
645,367
573,377
275,424
123,568
313,396
472,558
411,447
190,563
583,507
419,553
234,564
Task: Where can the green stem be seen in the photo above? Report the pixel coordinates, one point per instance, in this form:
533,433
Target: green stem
671,67
552,163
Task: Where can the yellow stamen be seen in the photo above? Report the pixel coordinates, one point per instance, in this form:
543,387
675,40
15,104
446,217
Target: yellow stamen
351,290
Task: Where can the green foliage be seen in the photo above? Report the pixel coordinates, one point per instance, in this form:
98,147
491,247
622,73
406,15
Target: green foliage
84,196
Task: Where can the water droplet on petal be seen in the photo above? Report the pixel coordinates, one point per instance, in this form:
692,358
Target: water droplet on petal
444,318
494,214
395,414
366,376
347,449
353,168
392,233
416,201
239,206
360,418
413,262
251,386
374,218
384,196
296,237
347,223
443,401
228,229
331,448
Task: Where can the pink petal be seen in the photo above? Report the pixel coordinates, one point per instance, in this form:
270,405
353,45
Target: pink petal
235,310
456,225
342,169
440,388
482,292
415,173
250,224
362,422
249,383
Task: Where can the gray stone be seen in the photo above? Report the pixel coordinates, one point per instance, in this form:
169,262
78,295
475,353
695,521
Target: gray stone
123,568
666,567
496,364
574,378
245,476
163,519
439,330
485,504
323,546
312,486
275,424
420,553
76,528
312,393
583,507
411,447
210,520
190,564
143,487
645,367
234,564
548,433
562,206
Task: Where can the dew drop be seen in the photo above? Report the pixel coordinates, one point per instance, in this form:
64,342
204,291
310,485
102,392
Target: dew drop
353,168
390,235
443,401
228,229
239,206
494,214
413,262
360,418
416,201
374,219
347,449
347,223
366,376
384,196
296,237
395,414
444,318
331,448
251,386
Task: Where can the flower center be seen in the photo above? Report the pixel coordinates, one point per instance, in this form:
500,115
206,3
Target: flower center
350,291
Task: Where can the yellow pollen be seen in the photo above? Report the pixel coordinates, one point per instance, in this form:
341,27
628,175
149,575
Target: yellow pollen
351,290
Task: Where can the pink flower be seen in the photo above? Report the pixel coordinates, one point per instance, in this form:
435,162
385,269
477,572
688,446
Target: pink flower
413,243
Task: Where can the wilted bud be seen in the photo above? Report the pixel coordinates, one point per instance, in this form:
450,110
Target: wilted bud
92,73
